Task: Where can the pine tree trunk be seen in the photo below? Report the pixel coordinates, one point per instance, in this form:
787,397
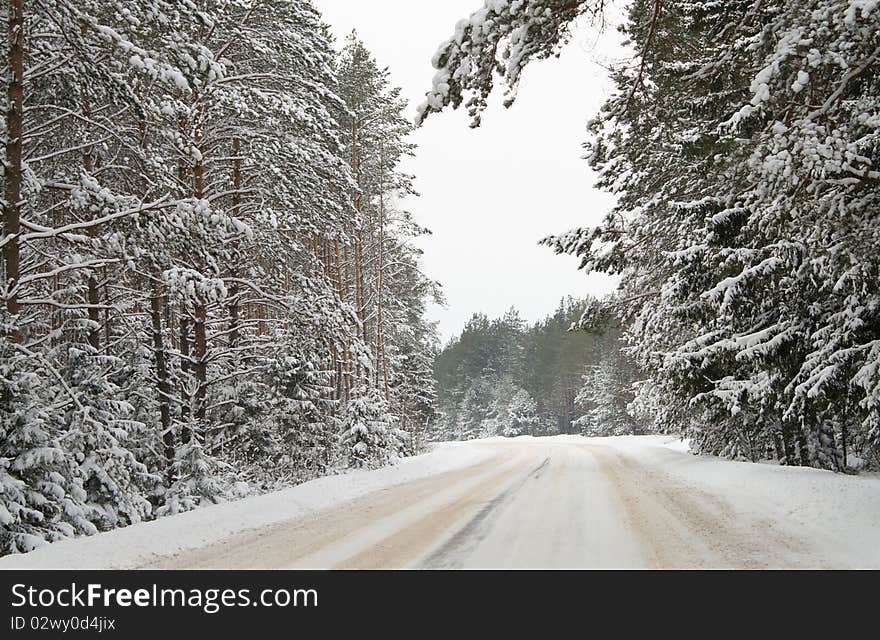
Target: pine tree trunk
198,166
200,343
360,304
359,293
200,349
789,456
380,328
94,299
326,261
345,292
233,317
316,253
106,311
183,322
236,176
92,296
162,372
12,175
340,291
378,318
181,163
236,205
184,361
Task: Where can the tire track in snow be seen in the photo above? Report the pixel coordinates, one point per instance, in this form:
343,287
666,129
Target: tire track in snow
452,553
417,538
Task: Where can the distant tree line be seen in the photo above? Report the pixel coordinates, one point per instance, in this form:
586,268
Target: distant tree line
505,377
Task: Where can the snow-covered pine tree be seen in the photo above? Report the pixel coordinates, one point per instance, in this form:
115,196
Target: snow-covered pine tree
68,162
373,261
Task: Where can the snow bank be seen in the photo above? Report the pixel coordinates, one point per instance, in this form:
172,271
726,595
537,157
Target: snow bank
136,544
838,514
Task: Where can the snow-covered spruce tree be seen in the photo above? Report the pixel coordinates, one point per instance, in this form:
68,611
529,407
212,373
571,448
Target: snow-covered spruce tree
100,432
370,436
194,473
297,437
42,497
410,340
610,383
522,415
496,412
193,469
510,411
605,399
741,143
743,273
305,426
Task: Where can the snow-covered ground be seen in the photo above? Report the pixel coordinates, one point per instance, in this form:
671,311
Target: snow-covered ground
563,501
829,520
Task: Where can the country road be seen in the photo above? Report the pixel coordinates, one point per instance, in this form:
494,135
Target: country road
550,502
535,504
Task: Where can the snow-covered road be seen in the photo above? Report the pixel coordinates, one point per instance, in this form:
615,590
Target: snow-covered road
529,502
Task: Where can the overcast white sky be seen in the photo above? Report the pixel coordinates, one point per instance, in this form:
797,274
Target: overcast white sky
490,194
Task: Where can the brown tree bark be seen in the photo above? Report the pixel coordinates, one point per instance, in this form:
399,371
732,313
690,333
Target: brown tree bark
181,163
162,371
236,206
107,310
200,342
92,295
360,300
12,177
200,349
344,365
357,199
380,329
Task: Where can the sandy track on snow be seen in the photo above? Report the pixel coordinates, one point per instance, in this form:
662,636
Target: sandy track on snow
387,528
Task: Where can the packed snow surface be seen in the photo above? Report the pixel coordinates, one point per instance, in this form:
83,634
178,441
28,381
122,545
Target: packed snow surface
564,501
